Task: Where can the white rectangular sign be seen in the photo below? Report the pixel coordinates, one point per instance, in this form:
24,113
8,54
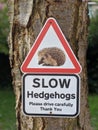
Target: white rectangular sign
51,95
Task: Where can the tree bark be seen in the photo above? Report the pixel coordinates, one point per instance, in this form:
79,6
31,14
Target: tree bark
26,20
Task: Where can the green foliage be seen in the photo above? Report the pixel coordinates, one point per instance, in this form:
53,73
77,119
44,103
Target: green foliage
93,103
95,0
93,31
92,55
4,28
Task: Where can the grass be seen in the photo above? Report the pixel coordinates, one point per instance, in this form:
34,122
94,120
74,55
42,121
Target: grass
7,111
93,102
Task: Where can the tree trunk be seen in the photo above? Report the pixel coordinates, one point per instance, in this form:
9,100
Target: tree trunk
26,20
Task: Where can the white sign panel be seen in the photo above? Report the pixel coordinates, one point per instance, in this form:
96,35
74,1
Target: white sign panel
51,95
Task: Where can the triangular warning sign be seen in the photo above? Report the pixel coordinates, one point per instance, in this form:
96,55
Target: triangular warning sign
51,52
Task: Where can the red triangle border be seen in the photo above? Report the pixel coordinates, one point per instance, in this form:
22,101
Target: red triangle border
51,22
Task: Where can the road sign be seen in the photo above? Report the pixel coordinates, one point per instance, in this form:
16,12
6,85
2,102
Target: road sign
51,52
51,95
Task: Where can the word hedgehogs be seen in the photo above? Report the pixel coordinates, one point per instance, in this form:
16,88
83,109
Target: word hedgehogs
52,56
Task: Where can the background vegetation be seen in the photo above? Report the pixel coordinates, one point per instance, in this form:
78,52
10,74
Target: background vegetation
5,76
92,55
4,28
7,110
7,99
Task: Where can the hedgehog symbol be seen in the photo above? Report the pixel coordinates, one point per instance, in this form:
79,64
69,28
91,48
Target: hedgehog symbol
52,56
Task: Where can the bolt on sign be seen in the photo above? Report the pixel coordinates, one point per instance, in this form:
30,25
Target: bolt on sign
51,84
